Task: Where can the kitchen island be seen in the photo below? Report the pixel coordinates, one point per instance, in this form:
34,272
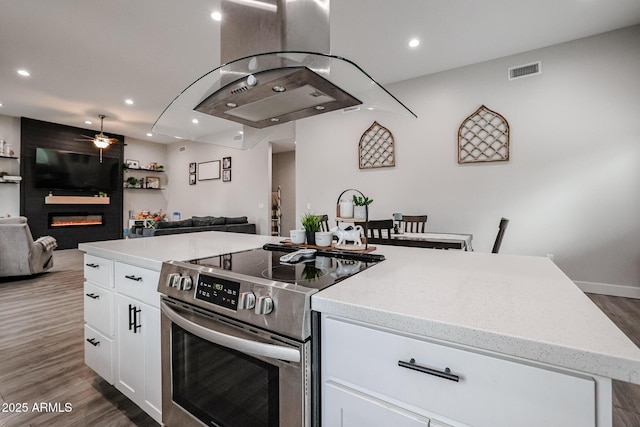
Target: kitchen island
521,310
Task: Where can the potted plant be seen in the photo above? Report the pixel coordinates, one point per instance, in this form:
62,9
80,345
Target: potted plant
311,224
360,206
132,182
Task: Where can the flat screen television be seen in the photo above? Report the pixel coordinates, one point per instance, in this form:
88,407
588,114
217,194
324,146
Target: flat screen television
66,170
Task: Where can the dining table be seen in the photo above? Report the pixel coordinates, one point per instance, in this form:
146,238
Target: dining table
434,240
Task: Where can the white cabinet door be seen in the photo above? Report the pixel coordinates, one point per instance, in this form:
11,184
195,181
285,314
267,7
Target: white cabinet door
98,308
349,408
138,373
98,353
152,363
130,357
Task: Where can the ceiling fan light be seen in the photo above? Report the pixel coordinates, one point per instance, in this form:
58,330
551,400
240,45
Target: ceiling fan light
101,141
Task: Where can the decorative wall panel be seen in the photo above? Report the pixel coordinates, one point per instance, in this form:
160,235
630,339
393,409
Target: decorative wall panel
376,148
483,137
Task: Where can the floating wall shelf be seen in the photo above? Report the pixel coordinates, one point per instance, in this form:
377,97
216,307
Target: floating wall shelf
76,200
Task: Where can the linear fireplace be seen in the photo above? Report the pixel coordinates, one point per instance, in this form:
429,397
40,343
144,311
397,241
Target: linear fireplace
75,219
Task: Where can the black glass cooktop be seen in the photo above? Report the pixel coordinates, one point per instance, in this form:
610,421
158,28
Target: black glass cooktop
325,269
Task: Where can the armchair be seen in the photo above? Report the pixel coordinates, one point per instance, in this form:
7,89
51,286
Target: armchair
19,254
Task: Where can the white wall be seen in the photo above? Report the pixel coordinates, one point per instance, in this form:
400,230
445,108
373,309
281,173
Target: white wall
248,194
570,188
10,193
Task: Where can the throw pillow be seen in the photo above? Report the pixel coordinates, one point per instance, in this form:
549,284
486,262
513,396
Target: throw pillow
237,220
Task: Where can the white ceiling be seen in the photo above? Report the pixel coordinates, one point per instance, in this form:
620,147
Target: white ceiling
87,56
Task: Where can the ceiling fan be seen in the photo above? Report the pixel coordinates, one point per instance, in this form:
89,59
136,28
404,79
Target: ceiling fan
101,140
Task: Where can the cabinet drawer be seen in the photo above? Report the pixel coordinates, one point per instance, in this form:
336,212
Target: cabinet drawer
348,408
98,270
98,308
138,283
98,353
491,391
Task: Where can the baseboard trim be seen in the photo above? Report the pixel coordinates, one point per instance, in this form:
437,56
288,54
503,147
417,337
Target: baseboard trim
611,290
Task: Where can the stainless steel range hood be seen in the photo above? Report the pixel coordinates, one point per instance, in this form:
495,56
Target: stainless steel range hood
285,73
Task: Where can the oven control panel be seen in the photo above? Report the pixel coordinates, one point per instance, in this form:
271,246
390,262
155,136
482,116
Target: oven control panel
218,291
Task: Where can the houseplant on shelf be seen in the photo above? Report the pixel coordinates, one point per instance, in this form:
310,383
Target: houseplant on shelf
360,206
311,224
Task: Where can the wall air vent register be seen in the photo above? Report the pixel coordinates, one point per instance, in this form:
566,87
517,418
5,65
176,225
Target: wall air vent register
526,70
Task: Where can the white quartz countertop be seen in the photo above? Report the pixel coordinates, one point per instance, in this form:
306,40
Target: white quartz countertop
513,305
151,252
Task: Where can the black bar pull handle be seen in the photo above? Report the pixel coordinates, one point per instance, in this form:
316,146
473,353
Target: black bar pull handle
446,374
92,265
136,322
132,277
131,319
93,296
93,342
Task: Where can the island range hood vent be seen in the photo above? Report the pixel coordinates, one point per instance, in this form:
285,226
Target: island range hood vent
276,69
285,94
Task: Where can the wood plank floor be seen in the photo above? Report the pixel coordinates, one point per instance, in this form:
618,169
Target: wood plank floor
42,355
625,313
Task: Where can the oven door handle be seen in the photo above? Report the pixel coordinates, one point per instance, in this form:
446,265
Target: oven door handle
240,344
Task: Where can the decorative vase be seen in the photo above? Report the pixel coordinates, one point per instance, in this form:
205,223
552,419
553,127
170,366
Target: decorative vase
360,212
346,209
311,237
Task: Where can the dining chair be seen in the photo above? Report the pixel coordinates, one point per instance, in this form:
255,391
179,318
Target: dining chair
324,222
413,223
501,229
378,231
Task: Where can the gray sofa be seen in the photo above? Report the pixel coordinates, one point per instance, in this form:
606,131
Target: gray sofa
196,224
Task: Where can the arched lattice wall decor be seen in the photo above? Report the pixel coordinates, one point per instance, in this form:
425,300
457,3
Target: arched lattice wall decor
377,148
483,137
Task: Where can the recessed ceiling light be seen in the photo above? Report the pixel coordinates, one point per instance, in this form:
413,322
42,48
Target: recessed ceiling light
274,119
319,107
278,88
414,43
194,121
0,104
24,73
231,104
216,16
149,134
128,101
88,122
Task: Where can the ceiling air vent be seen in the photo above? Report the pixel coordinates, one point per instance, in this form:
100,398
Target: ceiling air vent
525,70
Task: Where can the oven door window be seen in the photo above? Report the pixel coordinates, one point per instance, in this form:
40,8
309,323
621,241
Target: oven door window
220,386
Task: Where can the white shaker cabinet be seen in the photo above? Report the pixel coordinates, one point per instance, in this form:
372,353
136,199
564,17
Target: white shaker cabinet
122,329
99,337
138,373
386,378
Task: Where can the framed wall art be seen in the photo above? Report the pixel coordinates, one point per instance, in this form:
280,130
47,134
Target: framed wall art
226,163
192,168
483,137
376,148
132,164
209,170
226,175
192,179
152,182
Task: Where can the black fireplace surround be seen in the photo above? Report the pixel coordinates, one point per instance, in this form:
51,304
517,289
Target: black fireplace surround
39,134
